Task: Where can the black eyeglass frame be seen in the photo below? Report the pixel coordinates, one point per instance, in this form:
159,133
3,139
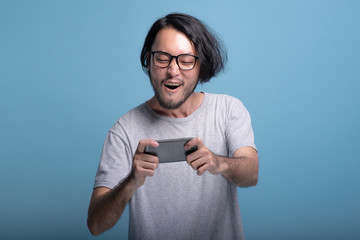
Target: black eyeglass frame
176,57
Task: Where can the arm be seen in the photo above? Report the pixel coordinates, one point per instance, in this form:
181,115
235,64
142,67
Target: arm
241,170
107,205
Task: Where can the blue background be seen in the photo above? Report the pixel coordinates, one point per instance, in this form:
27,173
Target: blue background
69,69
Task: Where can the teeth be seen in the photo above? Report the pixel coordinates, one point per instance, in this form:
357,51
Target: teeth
172,85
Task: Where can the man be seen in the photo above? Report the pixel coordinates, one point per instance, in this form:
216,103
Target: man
196,199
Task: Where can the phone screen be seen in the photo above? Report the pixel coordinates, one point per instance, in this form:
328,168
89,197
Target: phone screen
170,150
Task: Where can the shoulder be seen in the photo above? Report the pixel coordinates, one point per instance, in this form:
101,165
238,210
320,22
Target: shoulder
224,101
129,119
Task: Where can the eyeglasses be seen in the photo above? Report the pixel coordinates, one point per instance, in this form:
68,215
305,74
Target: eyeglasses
164,59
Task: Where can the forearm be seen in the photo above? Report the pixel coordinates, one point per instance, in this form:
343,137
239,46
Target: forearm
106,205
106,211
240,171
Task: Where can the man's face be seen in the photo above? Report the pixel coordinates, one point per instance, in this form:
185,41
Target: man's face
172,85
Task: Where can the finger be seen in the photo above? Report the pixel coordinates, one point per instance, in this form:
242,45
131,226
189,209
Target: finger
146,157
194,142
146,142
198,163
143,172
202,169
144,168
148,165
199,153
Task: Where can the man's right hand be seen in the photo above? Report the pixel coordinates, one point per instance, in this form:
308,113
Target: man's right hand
143,164
107,205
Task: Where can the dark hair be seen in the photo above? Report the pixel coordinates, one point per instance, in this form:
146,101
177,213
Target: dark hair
211,52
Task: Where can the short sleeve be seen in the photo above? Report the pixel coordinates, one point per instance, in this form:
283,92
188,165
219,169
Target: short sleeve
239,132
115,162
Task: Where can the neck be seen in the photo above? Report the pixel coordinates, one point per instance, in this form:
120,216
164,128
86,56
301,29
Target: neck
185,110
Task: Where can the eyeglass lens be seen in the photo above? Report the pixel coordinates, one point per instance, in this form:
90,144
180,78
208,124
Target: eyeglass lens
184,61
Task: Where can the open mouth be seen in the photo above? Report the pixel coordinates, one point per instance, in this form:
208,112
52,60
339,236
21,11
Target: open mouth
172,86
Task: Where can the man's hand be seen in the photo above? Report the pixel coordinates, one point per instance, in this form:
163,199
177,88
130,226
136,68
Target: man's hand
241,169
107,205
144,164
203,159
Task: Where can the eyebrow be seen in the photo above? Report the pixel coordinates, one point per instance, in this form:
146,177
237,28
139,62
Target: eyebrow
174,55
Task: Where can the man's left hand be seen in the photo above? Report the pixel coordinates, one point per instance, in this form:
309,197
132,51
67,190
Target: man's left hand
203,159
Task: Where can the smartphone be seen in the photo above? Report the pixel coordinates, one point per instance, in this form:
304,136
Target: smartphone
170,150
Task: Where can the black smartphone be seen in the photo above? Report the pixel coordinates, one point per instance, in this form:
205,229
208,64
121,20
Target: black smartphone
170,150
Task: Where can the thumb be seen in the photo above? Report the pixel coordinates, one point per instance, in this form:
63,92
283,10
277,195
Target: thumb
146,142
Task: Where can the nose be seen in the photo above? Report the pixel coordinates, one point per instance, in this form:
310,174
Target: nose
173,68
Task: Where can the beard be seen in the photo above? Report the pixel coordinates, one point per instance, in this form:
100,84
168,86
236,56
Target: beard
170,104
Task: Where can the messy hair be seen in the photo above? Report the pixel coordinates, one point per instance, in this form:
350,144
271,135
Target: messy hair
212,54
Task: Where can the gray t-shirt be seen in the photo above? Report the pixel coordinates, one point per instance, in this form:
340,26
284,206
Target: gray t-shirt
176,203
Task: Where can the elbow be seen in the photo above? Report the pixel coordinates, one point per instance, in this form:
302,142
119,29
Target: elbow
254,181
94,230
251,181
